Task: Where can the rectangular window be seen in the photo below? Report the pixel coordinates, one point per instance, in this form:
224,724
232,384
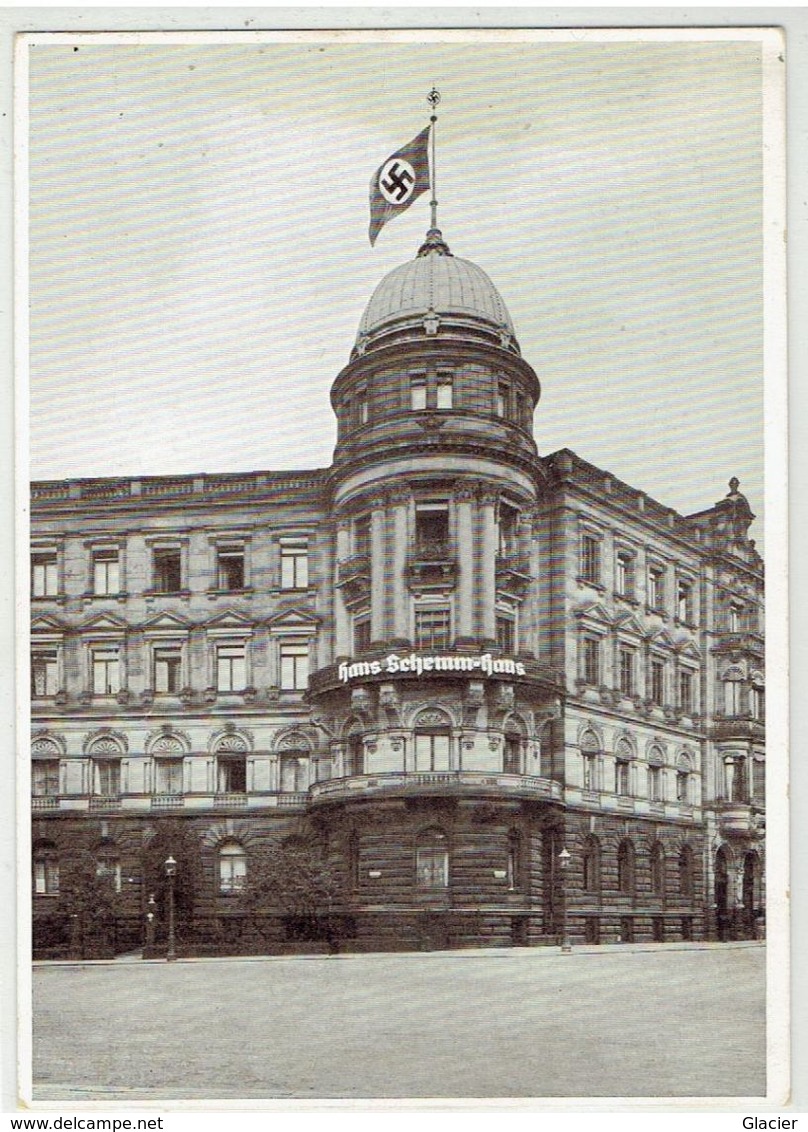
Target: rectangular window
445,391
44,574
519,408
621,778
590,771
756,702
503,397
45,778
508,530
168,776
106,572
656,577
432,628
294,667
624,575
231,668
362,536
506,634
732,697
361,635
418,393
657,682
106,672
107,778
294,564
46,877
232,775
230,567
167,570
362,407
590,559
686,691
432,529
655,783
431,751
735,618
591,672
167,670
44,673
684,601
682,787
627,671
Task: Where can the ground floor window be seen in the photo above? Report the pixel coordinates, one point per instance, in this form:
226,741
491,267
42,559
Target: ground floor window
46,870
432,860
232,868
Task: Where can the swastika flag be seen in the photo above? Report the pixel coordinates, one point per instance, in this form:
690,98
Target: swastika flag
398,181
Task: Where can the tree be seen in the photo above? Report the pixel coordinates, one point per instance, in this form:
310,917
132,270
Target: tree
89,899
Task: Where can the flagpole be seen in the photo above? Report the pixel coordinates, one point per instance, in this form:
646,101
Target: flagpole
433,98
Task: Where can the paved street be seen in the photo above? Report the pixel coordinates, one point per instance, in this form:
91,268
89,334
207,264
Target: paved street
628,1021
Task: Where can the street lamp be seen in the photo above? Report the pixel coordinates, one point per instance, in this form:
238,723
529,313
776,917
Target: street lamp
564,858
171,872
150,926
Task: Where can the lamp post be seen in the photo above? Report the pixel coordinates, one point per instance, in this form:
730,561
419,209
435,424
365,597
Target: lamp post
171,872
564,858
150,926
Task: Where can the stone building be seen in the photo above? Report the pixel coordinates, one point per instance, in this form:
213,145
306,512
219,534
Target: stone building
444,659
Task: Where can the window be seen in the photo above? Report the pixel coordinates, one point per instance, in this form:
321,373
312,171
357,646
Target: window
431,750
45,778
624,574
167,566
656,587
294,667
362,536
591,672
106,571
732,697
626,656
735,617
625,867
168,776
294,564
355,755
108,867
686,871
506,636
432,860
107,778
230,567
231,774
167,670
686,690
503,397
512,754
508,530
590,559
658,870
362,407
756,702
418,393
591,865
46,870
736,784
432,628
683,786
232,868
622,768
106,672
684,601
657,681
44,673
655,783
514,860
432,529
361,635
445,390
44,574
590,752
294,774
231,668
519,408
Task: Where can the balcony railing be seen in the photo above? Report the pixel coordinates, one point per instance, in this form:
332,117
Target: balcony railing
105,802
230,799
47,803
431,563
300,798
167,802
439,782
737,819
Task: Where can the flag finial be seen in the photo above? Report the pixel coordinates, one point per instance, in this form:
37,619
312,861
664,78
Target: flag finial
433,98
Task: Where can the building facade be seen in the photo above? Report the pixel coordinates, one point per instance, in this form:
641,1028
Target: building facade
442,661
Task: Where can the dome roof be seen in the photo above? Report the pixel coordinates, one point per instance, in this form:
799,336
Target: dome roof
437,283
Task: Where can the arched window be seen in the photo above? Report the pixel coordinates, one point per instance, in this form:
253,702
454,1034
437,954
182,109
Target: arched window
356,754
590,749
625,867
686,872
45,869
658,869
432,860
591,864
683,786
231,765
432,742
232,868
108,865
622,767
514,860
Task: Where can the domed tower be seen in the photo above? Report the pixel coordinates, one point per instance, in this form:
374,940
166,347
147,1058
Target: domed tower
438,701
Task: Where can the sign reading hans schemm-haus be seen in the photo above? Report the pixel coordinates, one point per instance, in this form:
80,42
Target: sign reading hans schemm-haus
394,664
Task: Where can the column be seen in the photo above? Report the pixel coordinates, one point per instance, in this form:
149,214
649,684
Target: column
400,502
378,566
343,646
487,564
530,620
464,624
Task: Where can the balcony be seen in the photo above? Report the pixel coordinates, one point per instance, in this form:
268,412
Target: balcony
738,727
513,574
353,578
292,801
105,802
739,819
230,800
746,641
167,802
455,782
431,564
48,803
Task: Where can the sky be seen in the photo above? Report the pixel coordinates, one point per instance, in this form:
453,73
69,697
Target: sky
199,259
